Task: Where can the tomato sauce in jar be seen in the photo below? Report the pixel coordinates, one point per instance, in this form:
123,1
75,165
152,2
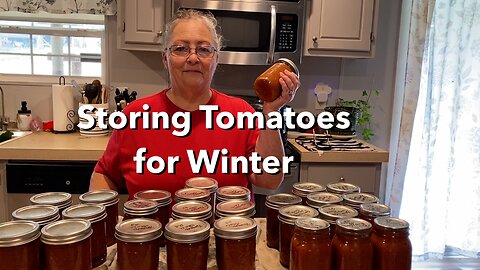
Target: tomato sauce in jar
274,203
196,194
302,189
237,208
20,245
370,211
140,208
332,212
192,210
206,183
228,193
267,86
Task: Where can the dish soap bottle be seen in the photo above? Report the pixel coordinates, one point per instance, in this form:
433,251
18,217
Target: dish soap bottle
24,117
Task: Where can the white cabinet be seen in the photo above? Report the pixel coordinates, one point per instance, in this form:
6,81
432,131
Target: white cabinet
141,24
341,28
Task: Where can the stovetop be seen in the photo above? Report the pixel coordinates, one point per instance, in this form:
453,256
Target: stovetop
332,143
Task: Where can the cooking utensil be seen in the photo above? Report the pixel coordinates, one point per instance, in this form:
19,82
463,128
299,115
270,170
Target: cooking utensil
91,92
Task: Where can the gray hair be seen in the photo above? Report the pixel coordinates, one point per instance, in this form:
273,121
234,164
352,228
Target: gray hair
190,14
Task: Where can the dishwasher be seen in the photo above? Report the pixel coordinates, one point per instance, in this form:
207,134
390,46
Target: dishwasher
26,178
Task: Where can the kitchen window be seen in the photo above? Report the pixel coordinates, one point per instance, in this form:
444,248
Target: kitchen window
51,44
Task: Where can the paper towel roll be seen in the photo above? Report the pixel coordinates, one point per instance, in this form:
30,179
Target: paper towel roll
65,115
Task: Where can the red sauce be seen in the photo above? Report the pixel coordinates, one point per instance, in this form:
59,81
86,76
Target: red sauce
267,86
26,256
76,256
182,256
111,220
138,256
236,254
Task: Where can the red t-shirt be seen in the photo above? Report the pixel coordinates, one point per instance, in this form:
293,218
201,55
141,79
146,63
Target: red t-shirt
117,161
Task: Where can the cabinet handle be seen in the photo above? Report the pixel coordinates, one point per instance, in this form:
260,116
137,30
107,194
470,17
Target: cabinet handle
159,33
314,38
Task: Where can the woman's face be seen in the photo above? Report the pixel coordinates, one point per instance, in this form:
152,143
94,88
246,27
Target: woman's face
190,71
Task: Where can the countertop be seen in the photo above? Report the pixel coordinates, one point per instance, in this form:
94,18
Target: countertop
51,146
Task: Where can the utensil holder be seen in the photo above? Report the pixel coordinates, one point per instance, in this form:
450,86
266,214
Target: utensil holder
96,131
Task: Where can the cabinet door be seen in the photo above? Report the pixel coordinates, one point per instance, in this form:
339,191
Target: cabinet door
340,27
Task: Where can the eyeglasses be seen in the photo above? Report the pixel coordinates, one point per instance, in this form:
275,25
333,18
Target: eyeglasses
200,51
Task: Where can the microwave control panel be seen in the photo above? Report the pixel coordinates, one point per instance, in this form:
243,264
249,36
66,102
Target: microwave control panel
287,27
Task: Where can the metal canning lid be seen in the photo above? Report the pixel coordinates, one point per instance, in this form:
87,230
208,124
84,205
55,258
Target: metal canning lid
342,187
58,199
192,209
18,232
104,197
161,197
288,214
40,213
203,183
89,211
235,208
353,224
235,228
318,199
138,230
187,230
374,209
276,201
290,63
192,194
391,223
140,207
312,224
332,212
304,188
67,231
233,193
355,199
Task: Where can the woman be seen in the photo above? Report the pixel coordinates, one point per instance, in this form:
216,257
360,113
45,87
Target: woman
191,59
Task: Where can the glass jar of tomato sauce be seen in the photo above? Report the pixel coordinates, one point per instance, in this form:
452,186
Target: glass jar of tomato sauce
228,193
302,189
342,187
318,199
140,208
192,210
310,247
351,246
267,86
274,203
355,199
370,211
42,214
206,183
196,194
332,212
237,208
391,245
62,200
20,245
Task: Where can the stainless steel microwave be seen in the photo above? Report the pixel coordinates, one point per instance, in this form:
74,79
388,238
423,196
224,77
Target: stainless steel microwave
256,32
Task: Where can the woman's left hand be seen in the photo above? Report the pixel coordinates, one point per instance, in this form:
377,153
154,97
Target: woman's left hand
290,83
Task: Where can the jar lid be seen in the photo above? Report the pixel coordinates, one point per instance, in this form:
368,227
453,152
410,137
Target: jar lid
203,183
138,230
58,199
187,230
18,232
89,211
278,200
289,214
342,187
391,223
192,194
235,228
318,199
355,199
290,63
192,209
332,212
67,231
161,197
304,188
40,213
353,224
235,208
312,224
140,207
104,197
233,193
374,209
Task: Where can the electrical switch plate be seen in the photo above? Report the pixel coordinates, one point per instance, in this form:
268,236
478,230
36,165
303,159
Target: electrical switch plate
322,91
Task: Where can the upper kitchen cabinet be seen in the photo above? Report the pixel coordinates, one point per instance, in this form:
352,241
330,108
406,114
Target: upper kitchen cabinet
141,24
341,28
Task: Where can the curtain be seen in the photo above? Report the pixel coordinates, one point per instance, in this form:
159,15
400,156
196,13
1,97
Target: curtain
105,7
441,189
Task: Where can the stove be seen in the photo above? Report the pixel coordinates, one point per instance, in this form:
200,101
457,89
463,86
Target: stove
332,143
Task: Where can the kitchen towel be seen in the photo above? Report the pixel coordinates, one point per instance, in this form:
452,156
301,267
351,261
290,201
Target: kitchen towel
65,107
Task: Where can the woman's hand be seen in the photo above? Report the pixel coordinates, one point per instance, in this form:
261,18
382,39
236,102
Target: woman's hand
290,83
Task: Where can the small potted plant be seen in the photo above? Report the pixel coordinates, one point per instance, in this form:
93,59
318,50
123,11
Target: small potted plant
360,115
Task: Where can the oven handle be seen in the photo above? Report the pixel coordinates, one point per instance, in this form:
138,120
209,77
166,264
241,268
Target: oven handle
273,32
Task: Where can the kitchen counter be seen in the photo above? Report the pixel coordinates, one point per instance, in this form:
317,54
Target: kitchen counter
51,146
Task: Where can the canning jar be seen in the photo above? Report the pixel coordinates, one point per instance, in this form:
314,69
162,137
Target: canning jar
267,86
109,199
163,199
302,189
20,245
370,211
42,214
355,199
139,208
96,214
318,199
67,245
192,210
196,194
235,243
236,208
287,216
61,200
391,246
273,203
310,247
227,193
138,247
342,187
332,212
207,183
351,246
187,244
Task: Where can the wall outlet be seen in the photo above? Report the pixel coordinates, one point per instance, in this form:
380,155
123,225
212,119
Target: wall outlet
321,91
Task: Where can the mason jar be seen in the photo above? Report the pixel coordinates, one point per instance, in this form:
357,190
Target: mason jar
355,199
302,189
196,194
192,210
20,245
319,199
370,211
332,212
41,214
267,86
139,208
206,183
342,187
228,193
61,200
274,203
237,208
